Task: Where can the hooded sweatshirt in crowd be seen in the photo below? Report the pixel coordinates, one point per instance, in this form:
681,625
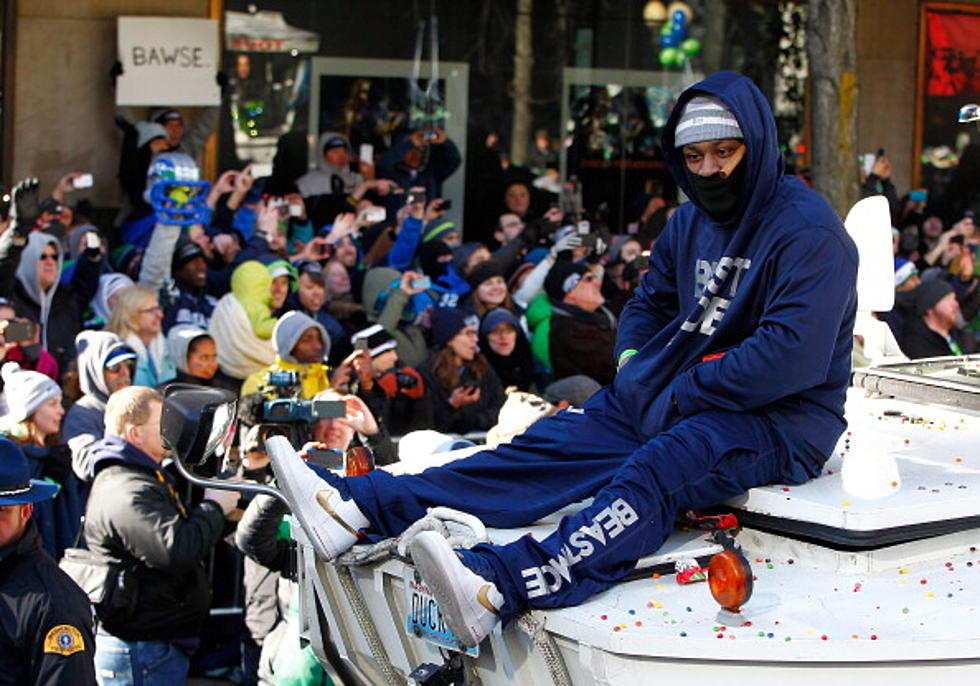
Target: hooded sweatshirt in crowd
314,377
58,310
242,321
85,422
768,288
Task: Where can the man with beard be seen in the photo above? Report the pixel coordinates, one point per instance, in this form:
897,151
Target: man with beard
937,327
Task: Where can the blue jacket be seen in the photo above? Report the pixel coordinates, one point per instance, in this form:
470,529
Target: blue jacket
772,291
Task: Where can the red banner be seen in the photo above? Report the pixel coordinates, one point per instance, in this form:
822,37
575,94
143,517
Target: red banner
953,53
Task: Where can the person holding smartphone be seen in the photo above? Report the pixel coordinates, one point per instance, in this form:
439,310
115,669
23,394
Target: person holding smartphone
879,182
465,392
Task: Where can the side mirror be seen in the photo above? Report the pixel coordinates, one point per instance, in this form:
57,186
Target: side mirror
195,420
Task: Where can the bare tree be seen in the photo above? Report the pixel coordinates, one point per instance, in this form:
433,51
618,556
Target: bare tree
520,132
830,37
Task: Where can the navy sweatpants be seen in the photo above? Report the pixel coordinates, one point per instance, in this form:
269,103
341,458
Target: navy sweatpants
638,486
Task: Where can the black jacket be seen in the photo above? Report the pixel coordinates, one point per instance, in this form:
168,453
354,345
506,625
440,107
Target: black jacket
45,619
134,514
919,341
582,342
478,416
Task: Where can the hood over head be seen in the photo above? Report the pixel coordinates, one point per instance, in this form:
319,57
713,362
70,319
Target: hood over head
27,276
94,349
109,284
179,340
290,328
762,164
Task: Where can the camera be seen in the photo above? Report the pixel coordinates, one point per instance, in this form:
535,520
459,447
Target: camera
279,409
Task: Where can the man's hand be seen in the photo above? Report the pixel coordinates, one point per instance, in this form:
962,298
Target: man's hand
227,500
364,370
406,283
343,224
464,395
359,417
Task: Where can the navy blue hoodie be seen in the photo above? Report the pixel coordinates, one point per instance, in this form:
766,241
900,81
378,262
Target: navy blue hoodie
753,314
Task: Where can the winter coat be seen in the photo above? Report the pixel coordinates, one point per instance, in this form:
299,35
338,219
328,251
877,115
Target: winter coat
478,416
327,179
46,634
135,515
85,422
582,342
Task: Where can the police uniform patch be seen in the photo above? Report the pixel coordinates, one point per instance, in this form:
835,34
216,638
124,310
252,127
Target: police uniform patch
64,639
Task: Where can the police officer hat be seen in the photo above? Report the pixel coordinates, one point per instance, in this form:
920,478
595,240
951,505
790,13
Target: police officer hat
16,485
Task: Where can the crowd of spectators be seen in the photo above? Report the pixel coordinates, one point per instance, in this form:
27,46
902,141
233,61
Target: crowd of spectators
348,282
936,247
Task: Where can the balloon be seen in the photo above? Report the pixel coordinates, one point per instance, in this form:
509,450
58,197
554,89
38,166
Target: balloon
683,7
680,58
654,12
679,19
667,38
691,47
668,56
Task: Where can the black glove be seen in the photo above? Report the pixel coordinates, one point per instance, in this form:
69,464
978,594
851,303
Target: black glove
115,71
25,208
57,464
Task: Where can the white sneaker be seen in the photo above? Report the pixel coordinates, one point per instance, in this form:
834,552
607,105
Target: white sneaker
468,602
330,521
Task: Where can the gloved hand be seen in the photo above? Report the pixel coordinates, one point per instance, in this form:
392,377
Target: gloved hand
227,500
115,71
25,208
57,464
566,242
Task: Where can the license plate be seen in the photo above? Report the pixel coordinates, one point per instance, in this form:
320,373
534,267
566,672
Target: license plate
424,618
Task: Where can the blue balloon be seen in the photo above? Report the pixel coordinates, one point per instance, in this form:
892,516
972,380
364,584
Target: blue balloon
679,18
668,40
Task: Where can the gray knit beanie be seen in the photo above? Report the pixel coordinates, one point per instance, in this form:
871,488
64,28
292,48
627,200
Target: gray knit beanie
26,391
705,118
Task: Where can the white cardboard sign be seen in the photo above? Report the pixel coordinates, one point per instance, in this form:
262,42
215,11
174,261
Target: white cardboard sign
168,61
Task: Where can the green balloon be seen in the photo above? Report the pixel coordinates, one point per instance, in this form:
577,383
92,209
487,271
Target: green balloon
691,47
680,58
668,56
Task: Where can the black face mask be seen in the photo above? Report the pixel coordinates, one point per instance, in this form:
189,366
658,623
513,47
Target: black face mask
717,195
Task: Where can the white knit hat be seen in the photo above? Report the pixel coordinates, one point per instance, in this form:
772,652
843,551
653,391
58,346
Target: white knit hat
26,391
705,118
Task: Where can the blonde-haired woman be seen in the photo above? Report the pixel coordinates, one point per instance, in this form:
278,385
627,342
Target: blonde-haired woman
138,320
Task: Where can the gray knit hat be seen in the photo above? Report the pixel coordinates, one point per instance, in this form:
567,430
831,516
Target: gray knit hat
705,118
26,391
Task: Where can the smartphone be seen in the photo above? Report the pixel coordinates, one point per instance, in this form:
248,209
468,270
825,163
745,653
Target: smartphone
18,331
82,181
583,227
375,215
361,344
642,261
421,283
366,153
918,195
868,162
415,198
589,240
295,210
92,241
260,169
431,135
329,409
446,205
326,457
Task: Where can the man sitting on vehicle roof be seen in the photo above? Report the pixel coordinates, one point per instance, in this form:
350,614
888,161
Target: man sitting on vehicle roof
734,358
